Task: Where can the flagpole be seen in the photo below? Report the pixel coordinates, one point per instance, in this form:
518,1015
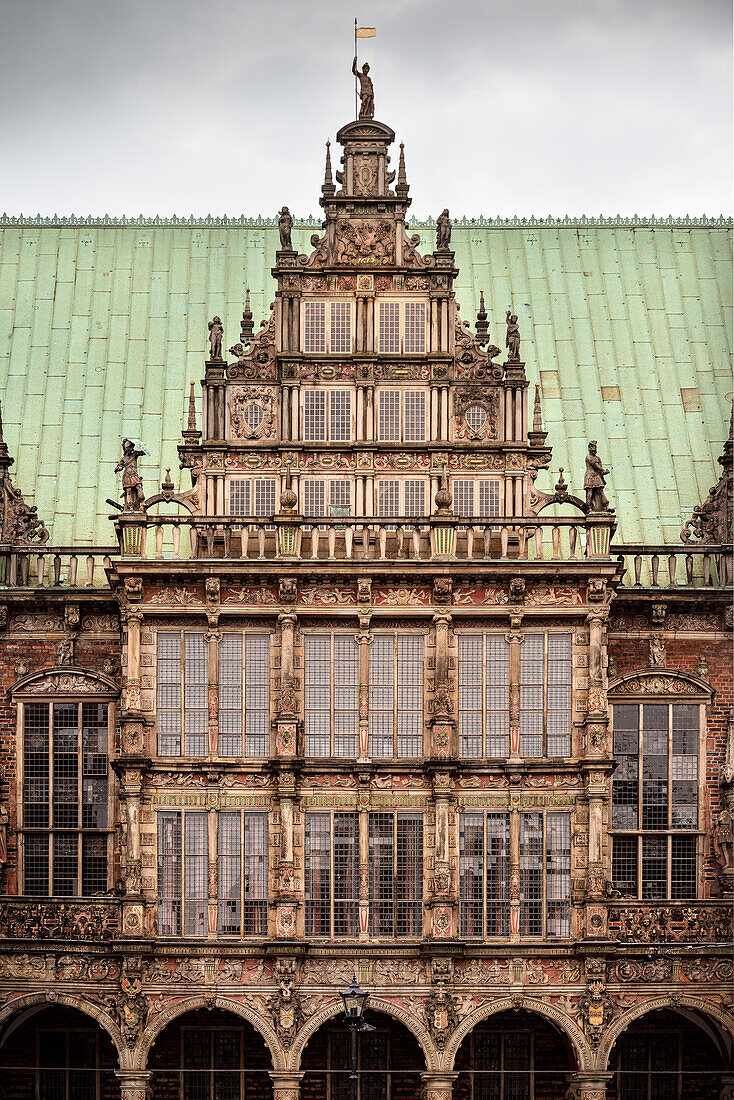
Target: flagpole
356,94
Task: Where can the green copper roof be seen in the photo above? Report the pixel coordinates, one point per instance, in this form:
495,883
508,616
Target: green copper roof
626,326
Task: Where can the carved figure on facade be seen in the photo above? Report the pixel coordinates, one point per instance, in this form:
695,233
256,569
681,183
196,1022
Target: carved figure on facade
366,90
512,338
594,481
257,358
216,335
656,658
441,1015
723,840
130,1007
285,227
443,231
133,496
711,522
252,412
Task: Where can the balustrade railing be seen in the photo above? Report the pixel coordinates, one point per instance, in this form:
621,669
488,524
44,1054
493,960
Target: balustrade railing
689,565
358,538
673,922
50,918
55,566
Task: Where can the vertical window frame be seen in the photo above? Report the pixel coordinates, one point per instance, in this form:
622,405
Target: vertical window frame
334,710
391,405
399,664
546,635
488,640
183,708
50,830
329,322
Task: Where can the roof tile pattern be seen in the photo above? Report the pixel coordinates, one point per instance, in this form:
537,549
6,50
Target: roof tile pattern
628,329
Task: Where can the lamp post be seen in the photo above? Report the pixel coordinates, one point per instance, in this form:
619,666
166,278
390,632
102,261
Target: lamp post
355,1002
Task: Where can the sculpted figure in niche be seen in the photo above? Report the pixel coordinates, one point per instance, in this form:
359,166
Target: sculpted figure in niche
512,340
366,91
132,484
594,481
723,840
443,231
285,225
216,332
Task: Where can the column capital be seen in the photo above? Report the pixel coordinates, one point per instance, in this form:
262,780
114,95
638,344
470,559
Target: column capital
286,1085
438,1086
135,1084
587,1086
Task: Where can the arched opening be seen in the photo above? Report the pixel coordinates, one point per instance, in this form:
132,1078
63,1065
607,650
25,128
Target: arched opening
57,1052
668,1055
210,1055
389,1062
513,1056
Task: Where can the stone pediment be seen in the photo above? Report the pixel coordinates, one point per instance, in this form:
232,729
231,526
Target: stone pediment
65,680
365,129
659,681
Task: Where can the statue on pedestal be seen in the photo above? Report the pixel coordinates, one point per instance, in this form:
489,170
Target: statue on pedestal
132,484
512,340
443,231
285,225
594,481
366,91
216,332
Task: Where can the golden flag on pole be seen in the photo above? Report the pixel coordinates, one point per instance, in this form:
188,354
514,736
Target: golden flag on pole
365,32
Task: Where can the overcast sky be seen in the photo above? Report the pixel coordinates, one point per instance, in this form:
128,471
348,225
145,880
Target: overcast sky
505,106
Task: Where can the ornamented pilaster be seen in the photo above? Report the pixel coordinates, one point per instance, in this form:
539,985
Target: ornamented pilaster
442,723
363,639
286,901
131,790
515,804
514,638
363,806
286,722
443,901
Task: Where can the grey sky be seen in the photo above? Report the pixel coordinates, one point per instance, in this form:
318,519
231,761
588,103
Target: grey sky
505,106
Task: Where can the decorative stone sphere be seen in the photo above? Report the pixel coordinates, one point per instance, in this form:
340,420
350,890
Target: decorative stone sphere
288,500
444,499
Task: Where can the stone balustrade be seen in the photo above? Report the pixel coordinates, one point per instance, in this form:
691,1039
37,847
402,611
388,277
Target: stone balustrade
55,567
689,566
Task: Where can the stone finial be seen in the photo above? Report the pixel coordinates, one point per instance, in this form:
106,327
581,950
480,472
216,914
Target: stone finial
561,484
402,185
191,423
167,485
537,412
482,323
247,329
328,188
443,497
288,500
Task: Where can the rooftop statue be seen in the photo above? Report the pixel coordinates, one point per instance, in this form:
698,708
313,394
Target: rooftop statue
594,481
512,340
285,225
216,332
366,91
132,484
443,231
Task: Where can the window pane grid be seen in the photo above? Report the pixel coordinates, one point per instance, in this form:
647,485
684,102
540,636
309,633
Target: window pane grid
257,694
314,327
340,334
415,328
414,403
340,415
388,418
196,865
389,318
314,415
331,698
655,796
230,695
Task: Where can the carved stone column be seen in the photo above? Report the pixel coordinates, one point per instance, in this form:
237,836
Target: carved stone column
135,1084
286,723
515,802
286,902
442,722
588,1086
364,639
286,1086
363,806
515,637
438,1086
443,900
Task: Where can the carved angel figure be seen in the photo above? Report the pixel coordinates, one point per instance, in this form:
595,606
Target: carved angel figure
132,484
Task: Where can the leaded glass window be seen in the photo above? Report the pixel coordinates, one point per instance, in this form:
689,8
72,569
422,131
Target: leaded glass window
484,687
396,695
331,695
401,498
68,1064
477,498
331,879
66,817
484,874
401,416
332,337
327,415
314,327
655,799
396,874
545,695
648,1066
183,868
401,328
182,688
502,1065
252,496
214,1063
244,694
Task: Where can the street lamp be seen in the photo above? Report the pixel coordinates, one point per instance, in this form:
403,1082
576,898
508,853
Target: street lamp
355,1002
